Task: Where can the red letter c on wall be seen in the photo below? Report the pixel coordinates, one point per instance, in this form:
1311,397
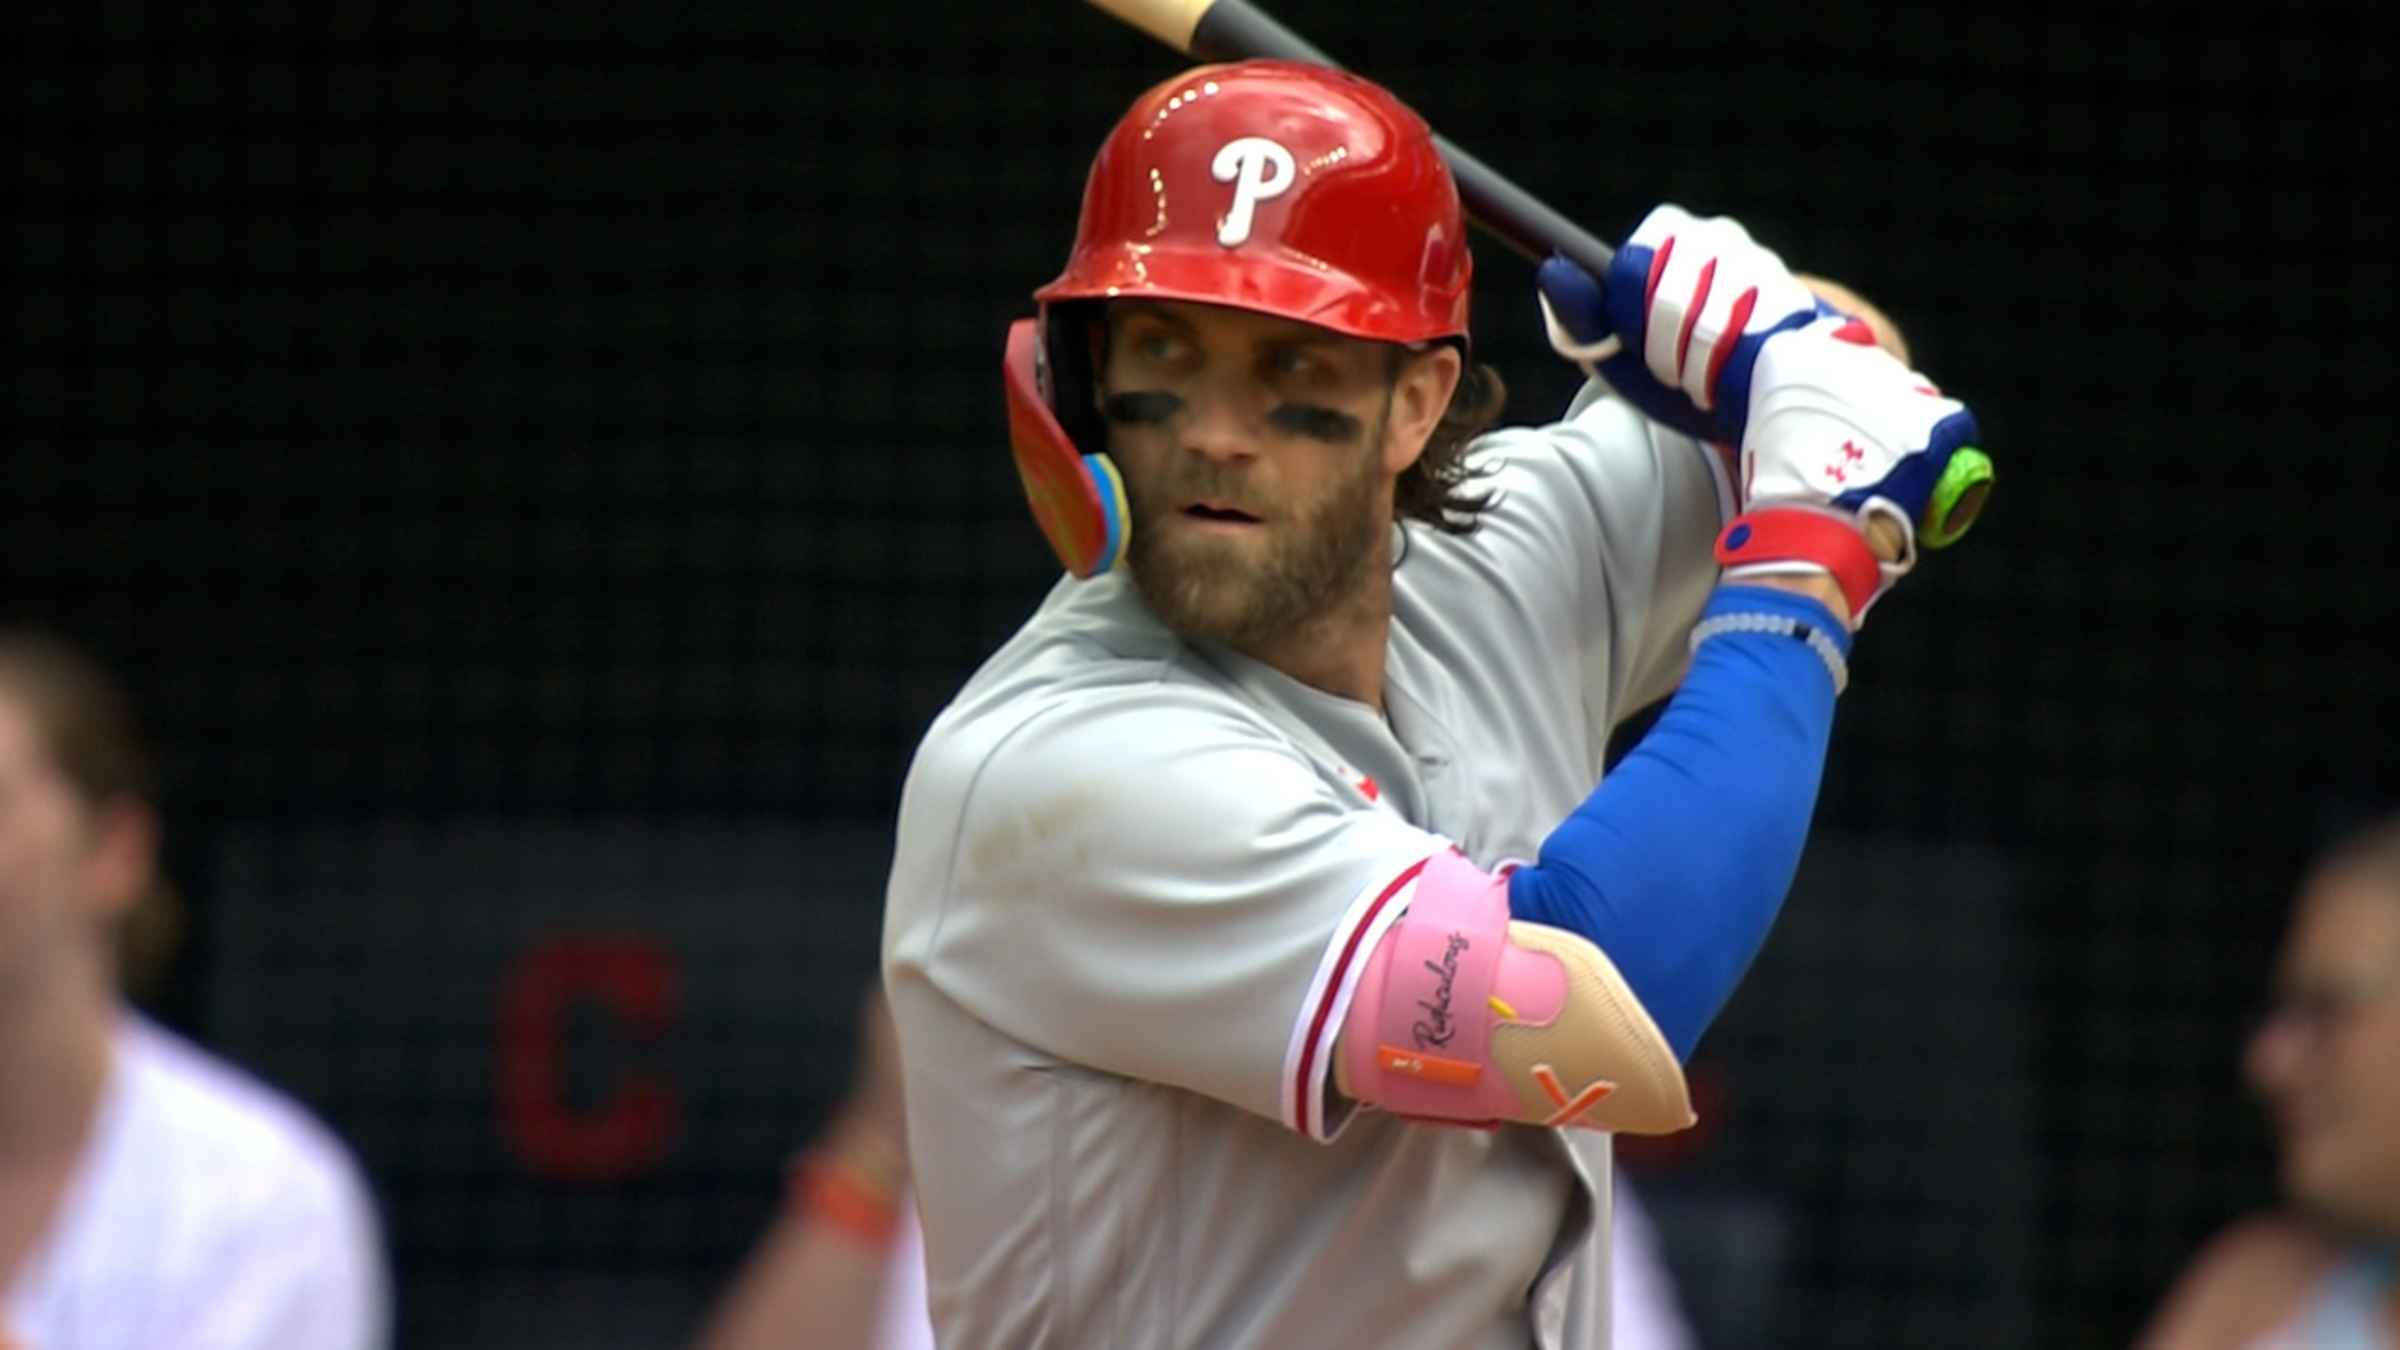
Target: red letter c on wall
634,979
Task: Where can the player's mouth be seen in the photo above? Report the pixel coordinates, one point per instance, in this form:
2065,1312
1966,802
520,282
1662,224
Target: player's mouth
1218,513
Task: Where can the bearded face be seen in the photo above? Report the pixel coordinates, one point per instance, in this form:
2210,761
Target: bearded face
1240,559
1257,463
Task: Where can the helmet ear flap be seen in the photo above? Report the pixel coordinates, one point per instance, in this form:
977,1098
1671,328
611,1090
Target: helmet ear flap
1078,498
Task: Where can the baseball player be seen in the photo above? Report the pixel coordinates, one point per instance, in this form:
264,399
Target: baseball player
1270,962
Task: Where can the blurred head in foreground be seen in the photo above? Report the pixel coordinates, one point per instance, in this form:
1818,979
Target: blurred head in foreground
2326,1059
78,828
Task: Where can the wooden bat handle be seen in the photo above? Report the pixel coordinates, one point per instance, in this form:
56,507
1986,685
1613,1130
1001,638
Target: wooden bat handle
1884,537
1170,21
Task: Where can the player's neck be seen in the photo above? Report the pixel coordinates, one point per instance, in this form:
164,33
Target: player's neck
1340,651
57,1029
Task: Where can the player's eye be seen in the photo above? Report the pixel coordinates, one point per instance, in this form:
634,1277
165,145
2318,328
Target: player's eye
1154,345
1294,361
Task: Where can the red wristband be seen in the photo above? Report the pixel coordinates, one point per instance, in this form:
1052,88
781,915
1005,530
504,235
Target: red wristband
829,1193
1796,534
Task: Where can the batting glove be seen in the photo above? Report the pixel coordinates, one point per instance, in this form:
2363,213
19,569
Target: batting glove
1705,330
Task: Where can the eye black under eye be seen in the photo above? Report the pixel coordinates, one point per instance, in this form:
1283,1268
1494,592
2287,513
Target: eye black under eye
1323,424
1140,407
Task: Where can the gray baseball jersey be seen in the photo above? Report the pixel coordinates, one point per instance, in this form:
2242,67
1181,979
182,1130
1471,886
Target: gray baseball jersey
1135,878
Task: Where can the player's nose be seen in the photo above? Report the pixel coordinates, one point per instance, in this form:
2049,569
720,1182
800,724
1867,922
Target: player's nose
1224,425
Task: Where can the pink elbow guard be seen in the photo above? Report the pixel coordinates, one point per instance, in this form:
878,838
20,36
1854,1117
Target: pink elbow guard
1465,1018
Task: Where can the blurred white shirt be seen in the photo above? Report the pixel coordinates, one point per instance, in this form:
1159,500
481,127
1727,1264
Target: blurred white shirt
210,1212
1644,1312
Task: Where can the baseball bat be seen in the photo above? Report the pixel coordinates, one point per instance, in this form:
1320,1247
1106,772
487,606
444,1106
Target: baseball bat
1236,30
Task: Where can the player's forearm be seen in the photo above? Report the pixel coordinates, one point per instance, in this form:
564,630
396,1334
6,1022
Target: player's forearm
1677,864
1824,590
806,1288
816,1280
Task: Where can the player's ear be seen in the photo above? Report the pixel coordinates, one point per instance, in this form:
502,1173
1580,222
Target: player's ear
1421,392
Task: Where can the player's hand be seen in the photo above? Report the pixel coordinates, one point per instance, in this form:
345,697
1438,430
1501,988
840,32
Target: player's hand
1675,326
1707,331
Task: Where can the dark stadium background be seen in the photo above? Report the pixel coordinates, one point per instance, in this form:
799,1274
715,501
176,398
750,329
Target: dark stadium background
541,466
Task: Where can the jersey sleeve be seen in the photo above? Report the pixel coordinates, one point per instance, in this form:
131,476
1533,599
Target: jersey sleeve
1621,514
1150,883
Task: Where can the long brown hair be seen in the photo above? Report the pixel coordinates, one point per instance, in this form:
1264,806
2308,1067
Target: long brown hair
1435,489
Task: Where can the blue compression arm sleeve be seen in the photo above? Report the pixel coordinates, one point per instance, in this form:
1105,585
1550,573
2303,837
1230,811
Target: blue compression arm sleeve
1678,862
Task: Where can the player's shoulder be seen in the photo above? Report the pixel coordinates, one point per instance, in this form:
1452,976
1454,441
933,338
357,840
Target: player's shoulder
1601,459
1595,423
1092,672
210,1124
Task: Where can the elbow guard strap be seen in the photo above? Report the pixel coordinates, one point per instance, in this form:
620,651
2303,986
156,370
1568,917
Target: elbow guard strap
1462,1017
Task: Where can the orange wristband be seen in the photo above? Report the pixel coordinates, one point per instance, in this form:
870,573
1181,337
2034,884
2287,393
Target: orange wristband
833,1194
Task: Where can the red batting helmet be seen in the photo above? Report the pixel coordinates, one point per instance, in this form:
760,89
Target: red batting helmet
1290,189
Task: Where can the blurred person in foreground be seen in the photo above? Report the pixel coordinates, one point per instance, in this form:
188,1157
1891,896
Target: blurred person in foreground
842,1267
2319,1272
151,1194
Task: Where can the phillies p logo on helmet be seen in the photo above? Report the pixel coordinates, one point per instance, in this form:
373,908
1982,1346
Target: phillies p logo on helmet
1258,169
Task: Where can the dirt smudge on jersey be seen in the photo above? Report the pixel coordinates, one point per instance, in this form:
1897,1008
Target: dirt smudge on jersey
1052,836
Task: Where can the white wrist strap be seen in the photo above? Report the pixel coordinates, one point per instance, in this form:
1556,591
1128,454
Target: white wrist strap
1784,624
